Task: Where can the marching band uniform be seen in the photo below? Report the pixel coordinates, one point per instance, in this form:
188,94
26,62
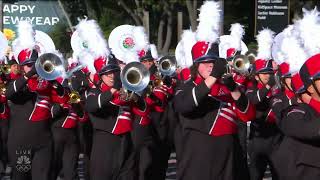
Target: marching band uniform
159,127
64,130
4,127
112,123
297,156
208,120
264,134
29,139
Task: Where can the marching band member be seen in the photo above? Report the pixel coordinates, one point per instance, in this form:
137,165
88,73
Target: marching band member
232,48
111,122
159,98
66,112
208,110
184,62
4,108
264,134
29,139
108,113
298,119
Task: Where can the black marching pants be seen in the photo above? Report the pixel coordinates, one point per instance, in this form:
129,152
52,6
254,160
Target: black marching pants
66,152
111,157
3,145
261,151
207,157
143,148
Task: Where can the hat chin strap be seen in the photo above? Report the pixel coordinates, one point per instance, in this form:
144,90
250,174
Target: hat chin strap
261,80
200,75
315,88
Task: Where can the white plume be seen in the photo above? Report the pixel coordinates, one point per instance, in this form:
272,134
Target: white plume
141,38
87,60
265,40
91,34
277,54
26,35
309,31
292,49
237,32
188,39
154,51
209,22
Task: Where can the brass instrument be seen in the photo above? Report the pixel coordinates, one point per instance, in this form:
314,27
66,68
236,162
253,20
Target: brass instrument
50,66
241,64
135,77
157,82
5,69
74,97
167,65
252,55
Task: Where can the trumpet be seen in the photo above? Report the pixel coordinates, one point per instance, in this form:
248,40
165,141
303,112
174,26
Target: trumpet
241,64
167,65
135,77
252,55
74,97
5,69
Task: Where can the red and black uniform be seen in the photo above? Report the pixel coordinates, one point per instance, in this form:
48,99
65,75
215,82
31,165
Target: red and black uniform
264,134
298,154
160,97
243,83
30,139
64,129
4,128
142,137
208,118
112,124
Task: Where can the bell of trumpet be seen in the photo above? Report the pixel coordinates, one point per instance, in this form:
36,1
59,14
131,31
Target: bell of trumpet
167,65
241,64
74,97
50,66
135,77
5,69
252,55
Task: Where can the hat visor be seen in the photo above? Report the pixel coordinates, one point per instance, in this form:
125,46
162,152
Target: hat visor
108,69
288,75
27,62
206,58
265,71
146,58
316,76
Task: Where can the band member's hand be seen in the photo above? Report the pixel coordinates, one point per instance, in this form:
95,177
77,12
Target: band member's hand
229,82
219,68
32,72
